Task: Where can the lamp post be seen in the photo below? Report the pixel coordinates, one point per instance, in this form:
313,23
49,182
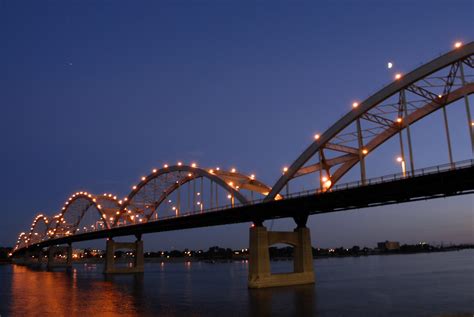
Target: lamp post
402,162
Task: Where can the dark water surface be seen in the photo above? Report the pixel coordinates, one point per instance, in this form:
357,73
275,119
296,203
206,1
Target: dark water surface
434,284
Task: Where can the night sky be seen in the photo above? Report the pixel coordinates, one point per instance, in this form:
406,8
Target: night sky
95,94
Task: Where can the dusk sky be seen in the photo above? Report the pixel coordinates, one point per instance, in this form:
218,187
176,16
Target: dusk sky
94,94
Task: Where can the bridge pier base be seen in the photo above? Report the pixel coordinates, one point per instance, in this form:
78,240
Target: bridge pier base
260,275
52,250
29,258
138,263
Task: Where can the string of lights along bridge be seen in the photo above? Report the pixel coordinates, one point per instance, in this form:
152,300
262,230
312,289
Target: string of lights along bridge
182,196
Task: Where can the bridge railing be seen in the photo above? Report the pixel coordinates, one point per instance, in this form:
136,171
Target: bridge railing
388,178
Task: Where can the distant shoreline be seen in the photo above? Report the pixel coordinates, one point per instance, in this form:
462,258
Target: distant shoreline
149,259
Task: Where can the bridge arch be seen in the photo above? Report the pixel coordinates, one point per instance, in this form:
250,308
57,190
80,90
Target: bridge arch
417,83
171,178
39,229
22,241
68,221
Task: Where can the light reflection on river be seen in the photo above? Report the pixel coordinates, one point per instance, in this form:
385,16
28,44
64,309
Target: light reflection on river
436,284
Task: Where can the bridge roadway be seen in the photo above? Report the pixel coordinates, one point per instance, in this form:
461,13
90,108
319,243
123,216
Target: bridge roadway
433,183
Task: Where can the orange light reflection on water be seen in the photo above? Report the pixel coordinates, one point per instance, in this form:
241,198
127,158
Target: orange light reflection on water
43,293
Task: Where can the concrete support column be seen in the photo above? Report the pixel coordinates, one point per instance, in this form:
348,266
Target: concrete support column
260,275
52,263
303,251
27,259
259,256
109,256
138,262
51,251
69,255
139,257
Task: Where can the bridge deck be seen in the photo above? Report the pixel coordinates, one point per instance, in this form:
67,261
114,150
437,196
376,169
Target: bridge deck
421,187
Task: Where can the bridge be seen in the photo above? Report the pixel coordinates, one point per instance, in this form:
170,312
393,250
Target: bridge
180,196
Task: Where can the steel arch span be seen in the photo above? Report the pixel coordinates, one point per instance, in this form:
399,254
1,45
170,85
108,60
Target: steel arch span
387,113
68,221
37,233
39,229
142,203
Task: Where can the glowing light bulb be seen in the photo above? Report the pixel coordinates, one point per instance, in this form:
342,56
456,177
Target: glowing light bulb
317,136
398,76
457,44
355,105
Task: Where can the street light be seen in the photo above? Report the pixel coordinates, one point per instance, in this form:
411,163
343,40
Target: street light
402,162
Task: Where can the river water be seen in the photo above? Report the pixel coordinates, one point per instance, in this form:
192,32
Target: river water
431,284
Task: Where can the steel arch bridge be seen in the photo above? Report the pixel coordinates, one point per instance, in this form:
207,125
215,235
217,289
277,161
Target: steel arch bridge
215,196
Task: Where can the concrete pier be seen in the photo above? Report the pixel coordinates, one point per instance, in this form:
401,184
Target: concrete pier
138,263
29,258
260,275
53,250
